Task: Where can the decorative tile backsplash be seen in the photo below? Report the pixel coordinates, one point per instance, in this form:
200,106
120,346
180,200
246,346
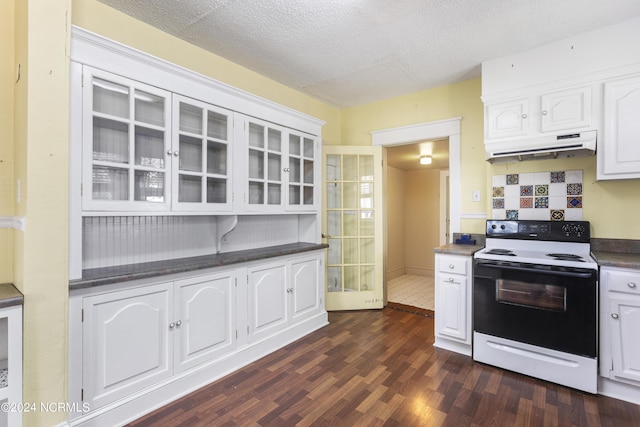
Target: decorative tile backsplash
555,196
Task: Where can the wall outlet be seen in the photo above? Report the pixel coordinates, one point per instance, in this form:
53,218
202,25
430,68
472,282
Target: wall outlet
475,196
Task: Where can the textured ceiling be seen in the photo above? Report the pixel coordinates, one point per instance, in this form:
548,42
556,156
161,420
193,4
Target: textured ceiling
351,52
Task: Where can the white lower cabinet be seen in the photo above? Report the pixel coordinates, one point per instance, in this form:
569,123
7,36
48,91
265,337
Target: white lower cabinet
205,318
126,342
620,322
281,293
137,337
453,303
11,365
142,345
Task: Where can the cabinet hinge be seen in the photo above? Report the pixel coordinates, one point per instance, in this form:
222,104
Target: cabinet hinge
81,190
236,334
82,315
247,329
82,395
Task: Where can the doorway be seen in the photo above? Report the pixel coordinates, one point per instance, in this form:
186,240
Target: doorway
415,206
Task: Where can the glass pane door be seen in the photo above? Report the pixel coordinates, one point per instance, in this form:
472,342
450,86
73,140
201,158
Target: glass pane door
128,141
201,156
353,227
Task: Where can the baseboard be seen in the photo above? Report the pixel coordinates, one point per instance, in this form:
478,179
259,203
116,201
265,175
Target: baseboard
394,274
143,402
618,390
419,271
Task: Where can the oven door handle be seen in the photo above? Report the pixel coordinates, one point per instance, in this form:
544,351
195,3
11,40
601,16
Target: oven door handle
582,275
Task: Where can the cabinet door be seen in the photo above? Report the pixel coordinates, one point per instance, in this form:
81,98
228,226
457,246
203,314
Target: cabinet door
204,318
566,110
264,167
126,342
126,136
507,119
202,154
305,287
267,299
619,152
302,172
625,323
451,306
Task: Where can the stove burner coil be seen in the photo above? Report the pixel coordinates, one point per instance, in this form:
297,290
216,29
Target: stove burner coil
497,251
566,257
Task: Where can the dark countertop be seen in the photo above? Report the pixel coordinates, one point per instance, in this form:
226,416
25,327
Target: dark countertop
623,253
10,296
124,273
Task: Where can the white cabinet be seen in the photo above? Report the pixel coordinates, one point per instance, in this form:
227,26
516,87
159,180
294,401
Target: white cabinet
620,322
282,293
281,168
145,149
507,119
619,150
538,115
126,342
205,318
141,338
11,365
202,153
453,303
137,337
125,136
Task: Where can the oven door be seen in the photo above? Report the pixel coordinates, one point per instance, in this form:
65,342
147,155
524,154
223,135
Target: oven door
546,306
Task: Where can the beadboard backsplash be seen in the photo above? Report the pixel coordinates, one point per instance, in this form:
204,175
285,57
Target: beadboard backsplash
111,241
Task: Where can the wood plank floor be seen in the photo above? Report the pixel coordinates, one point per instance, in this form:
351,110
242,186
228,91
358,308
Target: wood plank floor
379,368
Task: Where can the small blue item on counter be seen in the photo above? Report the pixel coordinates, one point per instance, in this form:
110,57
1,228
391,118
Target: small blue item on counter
465,239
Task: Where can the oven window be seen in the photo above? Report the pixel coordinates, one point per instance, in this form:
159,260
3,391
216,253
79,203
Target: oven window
546,297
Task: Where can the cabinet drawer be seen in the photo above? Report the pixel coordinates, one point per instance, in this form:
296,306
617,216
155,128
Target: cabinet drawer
452,264
622,281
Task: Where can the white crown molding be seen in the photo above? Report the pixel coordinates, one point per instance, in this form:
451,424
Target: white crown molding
15,222
97,51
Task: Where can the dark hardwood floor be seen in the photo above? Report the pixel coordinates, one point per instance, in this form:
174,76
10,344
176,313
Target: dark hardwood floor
379,368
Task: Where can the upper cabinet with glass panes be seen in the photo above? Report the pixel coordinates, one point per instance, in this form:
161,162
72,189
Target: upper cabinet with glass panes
281,169
144,153
201,156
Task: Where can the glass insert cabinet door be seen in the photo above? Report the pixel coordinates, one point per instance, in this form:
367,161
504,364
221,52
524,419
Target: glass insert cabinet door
265,156
353,227
201,155
301,179
126,134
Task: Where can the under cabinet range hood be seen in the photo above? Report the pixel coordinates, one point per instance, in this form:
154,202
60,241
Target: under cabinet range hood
549,147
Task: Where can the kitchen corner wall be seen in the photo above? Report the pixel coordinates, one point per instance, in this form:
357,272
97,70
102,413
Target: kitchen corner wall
441,103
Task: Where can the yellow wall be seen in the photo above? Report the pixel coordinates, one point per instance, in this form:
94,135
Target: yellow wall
395,261
41,135
6,135
457,100
422,220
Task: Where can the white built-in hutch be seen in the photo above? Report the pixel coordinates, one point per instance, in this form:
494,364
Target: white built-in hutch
195,241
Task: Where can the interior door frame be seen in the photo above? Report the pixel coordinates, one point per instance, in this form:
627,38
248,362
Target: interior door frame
440,129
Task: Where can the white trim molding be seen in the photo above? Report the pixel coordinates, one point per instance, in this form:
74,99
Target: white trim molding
439,129
473,215
16,222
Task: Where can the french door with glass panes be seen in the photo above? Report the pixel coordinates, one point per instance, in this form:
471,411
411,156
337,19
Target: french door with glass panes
126,136
353,227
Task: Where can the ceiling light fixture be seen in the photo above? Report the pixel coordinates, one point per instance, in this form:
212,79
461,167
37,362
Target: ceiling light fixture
425,160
